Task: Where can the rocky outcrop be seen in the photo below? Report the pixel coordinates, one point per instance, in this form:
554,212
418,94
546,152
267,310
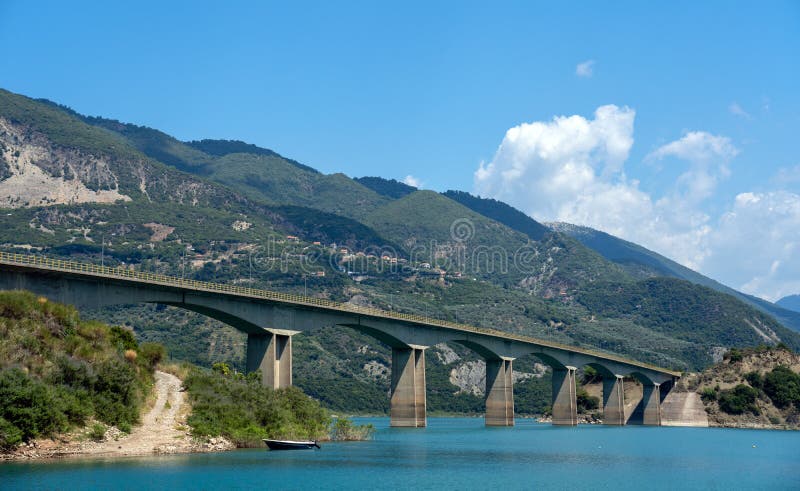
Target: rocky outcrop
36,173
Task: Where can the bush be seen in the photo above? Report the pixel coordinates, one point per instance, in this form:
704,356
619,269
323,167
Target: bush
708,395
245,412
585,401
10,435
153,353
734,355
344,430
754,379
782,386
738,400
590,375
98,432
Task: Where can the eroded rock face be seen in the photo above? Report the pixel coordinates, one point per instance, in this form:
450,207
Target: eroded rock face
35,173
445,354
470,377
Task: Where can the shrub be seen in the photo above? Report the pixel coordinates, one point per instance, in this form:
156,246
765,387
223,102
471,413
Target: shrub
585,401
343,429
708,395
153,353
734,355
244,411
590,375
782,386
98,432
738,400
10,435
754,379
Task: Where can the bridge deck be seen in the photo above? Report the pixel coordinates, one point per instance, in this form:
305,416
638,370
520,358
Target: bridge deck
143,277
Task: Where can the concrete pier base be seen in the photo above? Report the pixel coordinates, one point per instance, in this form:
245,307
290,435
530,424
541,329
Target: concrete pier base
613,401
408,387
270,353
499,393
648,411
565,403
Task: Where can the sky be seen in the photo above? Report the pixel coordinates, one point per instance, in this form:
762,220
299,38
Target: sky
670,124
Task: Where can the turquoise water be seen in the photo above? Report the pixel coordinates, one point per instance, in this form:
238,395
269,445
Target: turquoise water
459,453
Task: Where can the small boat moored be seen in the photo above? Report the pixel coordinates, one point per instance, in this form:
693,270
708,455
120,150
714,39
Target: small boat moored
290,444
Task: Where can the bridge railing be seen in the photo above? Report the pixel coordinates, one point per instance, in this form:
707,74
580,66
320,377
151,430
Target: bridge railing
144,276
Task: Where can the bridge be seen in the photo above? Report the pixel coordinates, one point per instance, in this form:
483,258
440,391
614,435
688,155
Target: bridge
270,319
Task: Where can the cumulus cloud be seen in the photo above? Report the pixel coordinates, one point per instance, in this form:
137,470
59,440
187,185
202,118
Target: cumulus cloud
585,69
571,169
760,235
412,181
709,156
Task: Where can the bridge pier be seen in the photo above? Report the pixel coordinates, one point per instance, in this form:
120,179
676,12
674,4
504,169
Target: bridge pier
565,398
270,353
408,387
648,411
613,401
499,392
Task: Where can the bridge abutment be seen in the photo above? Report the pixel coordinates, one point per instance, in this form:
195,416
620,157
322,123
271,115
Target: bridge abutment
613,401
648,412
565,398
499,392
408,387
270,353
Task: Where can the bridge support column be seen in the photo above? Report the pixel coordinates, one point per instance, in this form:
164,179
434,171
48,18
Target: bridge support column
408,387
499,393
565,399
613,401
648,412
270,353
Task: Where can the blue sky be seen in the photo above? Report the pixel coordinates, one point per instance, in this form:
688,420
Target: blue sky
704,92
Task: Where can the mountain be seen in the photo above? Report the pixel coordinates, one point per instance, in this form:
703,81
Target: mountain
255,172
94,189
501,212
641,262
390,188
791,302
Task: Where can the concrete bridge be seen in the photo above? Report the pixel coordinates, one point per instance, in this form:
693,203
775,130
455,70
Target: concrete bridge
270,319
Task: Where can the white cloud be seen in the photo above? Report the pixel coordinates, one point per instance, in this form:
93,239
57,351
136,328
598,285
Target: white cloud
412,181
698,146
708,155
760,235
571,169
737,110
585,69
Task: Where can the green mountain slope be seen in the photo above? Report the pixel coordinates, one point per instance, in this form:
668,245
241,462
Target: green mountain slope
501,212
390,188
256,172
642,262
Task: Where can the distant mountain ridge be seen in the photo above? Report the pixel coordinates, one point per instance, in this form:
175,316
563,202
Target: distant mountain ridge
643,262
791,302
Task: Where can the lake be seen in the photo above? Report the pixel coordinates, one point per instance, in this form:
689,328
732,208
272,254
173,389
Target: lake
459,453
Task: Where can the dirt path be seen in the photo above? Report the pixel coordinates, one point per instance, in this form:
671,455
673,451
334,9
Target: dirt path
163,431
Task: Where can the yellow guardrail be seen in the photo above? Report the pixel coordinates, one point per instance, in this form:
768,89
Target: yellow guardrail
153,278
